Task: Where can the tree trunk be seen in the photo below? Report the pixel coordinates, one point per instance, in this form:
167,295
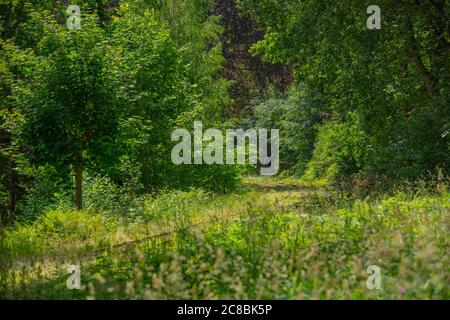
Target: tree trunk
414,51
79,188
12,194
145,174
154,171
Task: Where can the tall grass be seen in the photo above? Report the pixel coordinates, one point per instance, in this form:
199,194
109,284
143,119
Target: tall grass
268,243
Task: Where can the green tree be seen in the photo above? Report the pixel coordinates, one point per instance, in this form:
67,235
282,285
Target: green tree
70,103
171,74
395,80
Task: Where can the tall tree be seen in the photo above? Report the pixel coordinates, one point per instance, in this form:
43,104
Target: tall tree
391,84
70,105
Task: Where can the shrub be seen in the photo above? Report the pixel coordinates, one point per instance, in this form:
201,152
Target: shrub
340,151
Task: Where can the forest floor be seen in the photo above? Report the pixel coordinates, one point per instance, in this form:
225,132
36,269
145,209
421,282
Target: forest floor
284,239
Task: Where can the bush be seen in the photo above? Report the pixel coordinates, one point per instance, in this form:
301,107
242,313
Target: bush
340,151
48,192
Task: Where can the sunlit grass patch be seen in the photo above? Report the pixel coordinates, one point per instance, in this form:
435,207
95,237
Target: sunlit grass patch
270,243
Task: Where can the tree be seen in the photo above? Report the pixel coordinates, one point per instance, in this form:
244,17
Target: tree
171,71
392,84
70,101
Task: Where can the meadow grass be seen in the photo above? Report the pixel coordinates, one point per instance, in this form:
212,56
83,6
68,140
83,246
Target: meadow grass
277,239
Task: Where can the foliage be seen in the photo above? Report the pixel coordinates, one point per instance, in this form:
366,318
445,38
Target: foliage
340,150
296,114
394,80
272,251
107,96
364,125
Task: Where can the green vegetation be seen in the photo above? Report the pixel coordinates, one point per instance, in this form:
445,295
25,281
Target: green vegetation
276,239
86,175
382,95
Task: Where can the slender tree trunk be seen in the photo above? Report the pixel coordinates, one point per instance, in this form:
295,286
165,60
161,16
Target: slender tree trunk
79,188
145,174
154,171
12,194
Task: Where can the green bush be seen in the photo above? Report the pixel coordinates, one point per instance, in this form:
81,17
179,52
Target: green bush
340,151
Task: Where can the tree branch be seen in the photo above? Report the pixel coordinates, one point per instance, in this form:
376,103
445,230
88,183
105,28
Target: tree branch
414,51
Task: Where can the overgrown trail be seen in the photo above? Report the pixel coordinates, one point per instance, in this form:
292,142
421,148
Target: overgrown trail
195,213
63,238
276,238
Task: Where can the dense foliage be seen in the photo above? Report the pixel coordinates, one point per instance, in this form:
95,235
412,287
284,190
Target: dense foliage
390,87
280,244
87,114
105,97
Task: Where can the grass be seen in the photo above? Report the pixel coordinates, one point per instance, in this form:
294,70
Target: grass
276,239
